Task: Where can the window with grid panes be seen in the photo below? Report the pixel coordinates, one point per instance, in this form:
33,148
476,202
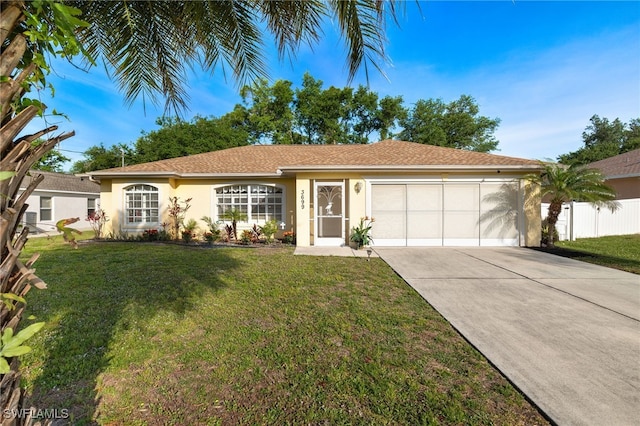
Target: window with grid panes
141,204
260,203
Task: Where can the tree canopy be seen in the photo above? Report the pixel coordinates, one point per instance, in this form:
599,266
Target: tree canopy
603,139
455,124
278,113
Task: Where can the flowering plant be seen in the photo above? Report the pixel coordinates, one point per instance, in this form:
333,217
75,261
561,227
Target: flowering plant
150,235
361,234
97,219
289,237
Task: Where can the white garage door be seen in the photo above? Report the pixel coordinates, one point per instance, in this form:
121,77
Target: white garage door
452,214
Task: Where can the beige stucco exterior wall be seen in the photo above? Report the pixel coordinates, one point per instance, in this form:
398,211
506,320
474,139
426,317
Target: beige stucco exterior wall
299,201
201,192
532,214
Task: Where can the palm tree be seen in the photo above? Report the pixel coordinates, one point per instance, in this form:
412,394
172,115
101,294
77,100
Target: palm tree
234,215
561,184
148,47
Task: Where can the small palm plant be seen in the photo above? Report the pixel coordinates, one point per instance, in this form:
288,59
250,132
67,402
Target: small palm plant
574,183
234,215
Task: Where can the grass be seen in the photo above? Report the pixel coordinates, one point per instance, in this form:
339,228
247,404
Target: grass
619,251
156,334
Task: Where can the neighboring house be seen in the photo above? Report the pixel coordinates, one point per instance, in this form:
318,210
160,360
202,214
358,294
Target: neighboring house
622,172
60,196
419,195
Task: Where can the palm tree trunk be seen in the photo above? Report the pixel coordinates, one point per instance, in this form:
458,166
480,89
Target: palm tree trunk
17,155
555,208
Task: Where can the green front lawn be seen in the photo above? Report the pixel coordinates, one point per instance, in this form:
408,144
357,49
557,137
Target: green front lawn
142,333
618,251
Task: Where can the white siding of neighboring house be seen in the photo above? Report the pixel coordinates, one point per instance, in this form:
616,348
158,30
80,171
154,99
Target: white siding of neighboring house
63,206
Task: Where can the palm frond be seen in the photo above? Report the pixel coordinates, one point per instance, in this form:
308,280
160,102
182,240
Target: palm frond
148,46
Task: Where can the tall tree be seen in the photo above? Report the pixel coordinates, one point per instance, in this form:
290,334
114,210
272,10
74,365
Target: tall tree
455,125
177,138
603,139
561,184
269,114
52,161
390,114
98,158
148,46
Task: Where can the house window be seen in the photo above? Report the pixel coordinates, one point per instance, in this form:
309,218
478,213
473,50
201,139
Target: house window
141,204
45,208
260,203
91,207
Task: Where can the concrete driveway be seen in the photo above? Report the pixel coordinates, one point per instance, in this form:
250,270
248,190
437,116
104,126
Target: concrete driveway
566,333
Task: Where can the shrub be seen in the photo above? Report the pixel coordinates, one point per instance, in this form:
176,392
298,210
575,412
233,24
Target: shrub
246,237
269,229
214,230
150,235
361,234
289,237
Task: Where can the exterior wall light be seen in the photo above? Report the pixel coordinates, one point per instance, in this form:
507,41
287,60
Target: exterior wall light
358,187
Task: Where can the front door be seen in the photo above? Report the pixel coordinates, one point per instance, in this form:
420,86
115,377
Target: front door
329,214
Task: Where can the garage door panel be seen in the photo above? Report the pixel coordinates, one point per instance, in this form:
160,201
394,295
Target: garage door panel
388,225
498,214
461,225
461,197
424,197
424,224
389,197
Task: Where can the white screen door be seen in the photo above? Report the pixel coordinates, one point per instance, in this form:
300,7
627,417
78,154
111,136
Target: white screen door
329,214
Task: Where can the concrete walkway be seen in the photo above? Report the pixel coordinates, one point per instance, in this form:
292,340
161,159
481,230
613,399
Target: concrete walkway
566,333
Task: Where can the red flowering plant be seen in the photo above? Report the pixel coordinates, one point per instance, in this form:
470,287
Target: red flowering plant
97,219
150,235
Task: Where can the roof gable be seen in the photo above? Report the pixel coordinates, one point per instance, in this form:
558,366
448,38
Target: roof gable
272,159
619,166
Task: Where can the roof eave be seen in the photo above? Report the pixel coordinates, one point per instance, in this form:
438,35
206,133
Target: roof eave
178,175
629,175
405,168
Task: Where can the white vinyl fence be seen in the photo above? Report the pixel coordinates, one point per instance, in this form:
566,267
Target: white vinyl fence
583,220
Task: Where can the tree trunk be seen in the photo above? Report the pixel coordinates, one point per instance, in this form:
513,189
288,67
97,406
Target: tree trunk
16,156
555,207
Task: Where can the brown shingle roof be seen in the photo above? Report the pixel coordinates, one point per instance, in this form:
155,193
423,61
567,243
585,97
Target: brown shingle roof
269,159
62,182
623,165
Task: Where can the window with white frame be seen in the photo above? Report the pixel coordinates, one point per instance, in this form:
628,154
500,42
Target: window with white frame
260,203
141,204
45,208
91,207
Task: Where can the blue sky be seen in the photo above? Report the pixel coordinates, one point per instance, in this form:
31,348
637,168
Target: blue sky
543,68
